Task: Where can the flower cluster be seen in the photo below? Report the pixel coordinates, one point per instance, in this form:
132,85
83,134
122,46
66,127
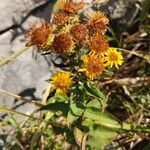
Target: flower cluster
67,34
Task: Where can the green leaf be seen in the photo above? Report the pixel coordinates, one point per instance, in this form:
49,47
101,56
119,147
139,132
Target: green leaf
34,140
94,143
58,98
55,7
100,137
145,10
94,103
109,38
100,118
57,107
95,92
87,122
75,111
78,134
103,132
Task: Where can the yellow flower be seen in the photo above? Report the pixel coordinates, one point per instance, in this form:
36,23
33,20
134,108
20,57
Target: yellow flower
61,82
113,57
93,65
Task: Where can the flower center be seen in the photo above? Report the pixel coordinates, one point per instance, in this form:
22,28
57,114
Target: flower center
113,57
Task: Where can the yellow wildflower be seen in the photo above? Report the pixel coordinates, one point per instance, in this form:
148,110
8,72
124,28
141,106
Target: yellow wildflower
61,82
113,57
93,65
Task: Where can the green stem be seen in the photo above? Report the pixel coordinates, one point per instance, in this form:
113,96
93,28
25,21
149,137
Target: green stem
9,110
9,58
114,35
125,126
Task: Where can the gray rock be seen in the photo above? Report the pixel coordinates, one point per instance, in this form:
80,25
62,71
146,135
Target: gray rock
13,12
26,76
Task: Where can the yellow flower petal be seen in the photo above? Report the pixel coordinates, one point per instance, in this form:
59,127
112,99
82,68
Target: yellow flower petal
113,57
61,82
93,65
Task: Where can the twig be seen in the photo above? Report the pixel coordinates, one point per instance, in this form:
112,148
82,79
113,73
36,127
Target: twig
83,144
127,81
7,109
46,94
42,143
139,54
9,58
10,110
17,97
132,81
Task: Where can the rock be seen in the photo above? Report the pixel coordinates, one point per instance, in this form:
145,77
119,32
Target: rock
14,12
5,42
26,76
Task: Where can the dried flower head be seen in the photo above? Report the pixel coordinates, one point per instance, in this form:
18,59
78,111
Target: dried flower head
63,43
98,43
79,33
69,6
113,57
61,82
97,22
60,18
93,65
38,35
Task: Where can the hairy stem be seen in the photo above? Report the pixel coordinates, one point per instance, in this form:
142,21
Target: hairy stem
17,97
12,57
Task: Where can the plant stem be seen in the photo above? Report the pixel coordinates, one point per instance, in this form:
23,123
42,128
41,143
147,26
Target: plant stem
12,57
17,97
138,54
9,110
125,126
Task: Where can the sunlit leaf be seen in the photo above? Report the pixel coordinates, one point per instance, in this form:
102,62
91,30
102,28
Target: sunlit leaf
58,98
34,140
78,134
94,103
56,107
75,110
100,118
95,92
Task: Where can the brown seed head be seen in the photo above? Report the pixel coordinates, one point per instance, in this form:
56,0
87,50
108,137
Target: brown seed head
61,18
79,33
38,35
98,43
69,6
98,22
62,43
